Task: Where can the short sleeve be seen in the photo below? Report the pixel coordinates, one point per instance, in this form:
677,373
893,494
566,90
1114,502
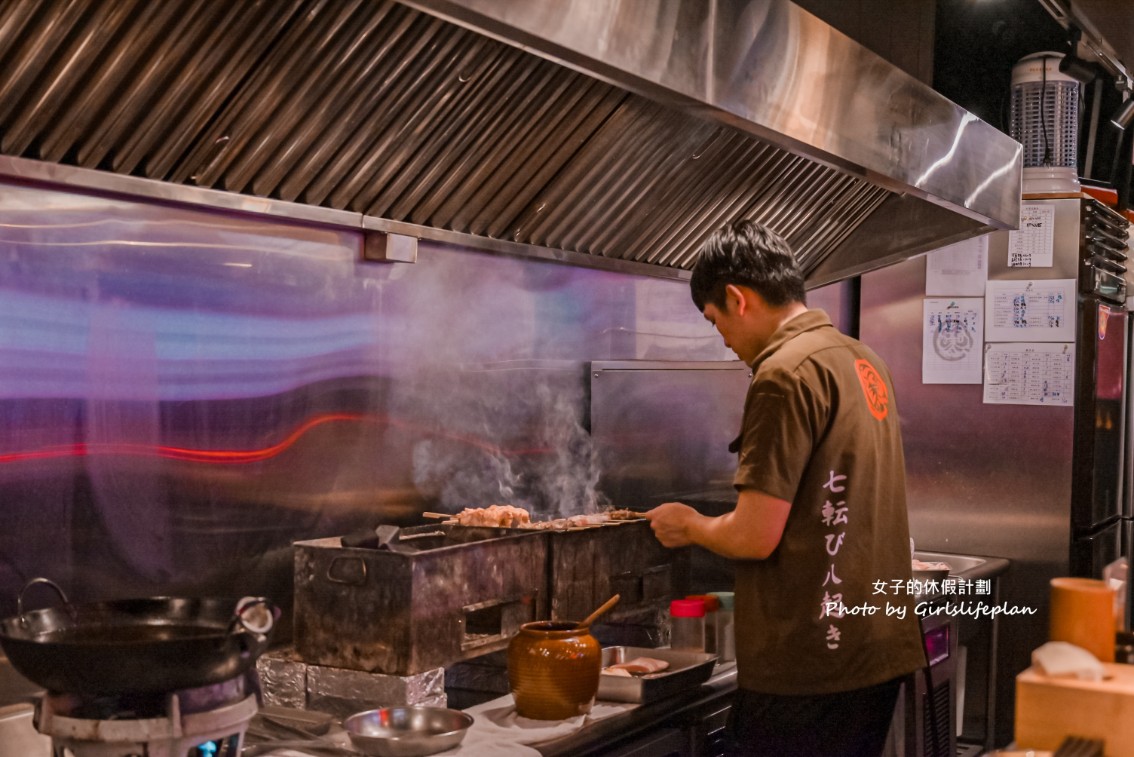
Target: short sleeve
776,438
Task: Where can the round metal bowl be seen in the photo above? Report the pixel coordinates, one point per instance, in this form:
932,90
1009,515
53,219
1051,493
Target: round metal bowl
407,731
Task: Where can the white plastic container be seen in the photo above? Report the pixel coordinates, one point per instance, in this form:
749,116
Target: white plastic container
726,626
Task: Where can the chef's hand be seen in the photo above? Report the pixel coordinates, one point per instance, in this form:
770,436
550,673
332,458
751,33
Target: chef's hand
670,523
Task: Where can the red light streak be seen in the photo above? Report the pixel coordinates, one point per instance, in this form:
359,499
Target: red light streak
228,456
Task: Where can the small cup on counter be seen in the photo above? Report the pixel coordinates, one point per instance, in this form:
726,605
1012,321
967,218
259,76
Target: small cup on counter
1082,613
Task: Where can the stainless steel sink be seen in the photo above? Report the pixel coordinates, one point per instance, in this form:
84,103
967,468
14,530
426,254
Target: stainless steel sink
970,567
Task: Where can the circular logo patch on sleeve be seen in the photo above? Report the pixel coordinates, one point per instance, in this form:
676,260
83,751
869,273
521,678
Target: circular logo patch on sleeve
873,388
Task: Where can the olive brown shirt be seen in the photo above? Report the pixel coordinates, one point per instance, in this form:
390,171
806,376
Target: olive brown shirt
821,431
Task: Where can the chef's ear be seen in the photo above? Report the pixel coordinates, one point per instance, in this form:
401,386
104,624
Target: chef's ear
732,292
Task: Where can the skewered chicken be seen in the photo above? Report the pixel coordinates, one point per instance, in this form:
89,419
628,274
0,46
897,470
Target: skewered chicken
510,516
623,514
574,521
496,516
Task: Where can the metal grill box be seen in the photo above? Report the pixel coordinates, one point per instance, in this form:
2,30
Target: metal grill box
430,601
590,565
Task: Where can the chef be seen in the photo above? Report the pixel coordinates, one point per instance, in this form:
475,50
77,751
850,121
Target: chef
825,623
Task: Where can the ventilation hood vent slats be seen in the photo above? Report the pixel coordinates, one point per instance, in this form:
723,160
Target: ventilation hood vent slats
596,129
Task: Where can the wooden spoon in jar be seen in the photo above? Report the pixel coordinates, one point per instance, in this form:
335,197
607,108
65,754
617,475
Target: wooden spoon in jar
601,609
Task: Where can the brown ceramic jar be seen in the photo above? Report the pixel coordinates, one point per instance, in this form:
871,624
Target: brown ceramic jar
553,670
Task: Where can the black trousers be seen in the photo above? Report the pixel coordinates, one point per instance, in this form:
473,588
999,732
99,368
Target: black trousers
846,724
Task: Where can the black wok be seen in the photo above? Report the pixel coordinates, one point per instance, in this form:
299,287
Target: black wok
136,645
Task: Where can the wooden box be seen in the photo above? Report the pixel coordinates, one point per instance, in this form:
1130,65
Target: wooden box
1048,710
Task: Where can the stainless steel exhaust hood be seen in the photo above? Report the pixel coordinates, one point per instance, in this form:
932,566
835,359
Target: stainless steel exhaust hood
618,133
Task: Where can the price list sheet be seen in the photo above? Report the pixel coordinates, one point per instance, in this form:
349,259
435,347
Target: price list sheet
1023,373
1040,310
1033,245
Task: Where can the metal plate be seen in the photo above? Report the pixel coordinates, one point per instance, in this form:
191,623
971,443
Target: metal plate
687,670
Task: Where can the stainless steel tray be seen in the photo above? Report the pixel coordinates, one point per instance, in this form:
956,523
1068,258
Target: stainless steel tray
686,670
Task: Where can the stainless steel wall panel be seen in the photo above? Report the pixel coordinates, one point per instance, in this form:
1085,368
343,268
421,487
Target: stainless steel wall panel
981,479
636,405
185,391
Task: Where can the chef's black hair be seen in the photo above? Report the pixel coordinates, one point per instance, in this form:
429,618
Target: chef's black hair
749,254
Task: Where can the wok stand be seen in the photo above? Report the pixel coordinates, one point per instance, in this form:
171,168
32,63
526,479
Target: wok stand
175,724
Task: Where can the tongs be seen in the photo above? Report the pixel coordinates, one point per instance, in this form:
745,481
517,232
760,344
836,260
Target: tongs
382,537
297,738
385,537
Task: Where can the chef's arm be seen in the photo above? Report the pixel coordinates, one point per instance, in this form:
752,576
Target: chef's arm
751,531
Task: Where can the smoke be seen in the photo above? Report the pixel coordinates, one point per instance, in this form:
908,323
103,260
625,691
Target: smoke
460,477
511,436
568,475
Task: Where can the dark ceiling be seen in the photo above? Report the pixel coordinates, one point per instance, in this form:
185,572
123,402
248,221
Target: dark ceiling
976,45
1115,21
978,41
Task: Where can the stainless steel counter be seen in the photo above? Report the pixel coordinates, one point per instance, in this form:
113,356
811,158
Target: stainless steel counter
680,724
979,698
14,688
967,567
18,737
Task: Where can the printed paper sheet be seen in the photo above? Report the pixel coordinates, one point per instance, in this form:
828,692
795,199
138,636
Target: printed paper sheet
1029,373
1037,310
1032,246
959,270
952,338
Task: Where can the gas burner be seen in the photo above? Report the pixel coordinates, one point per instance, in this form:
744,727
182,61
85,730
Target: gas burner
209,721
150,704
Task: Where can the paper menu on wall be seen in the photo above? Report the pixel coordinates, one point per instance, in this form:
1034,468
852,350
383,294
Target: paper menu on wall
952,337
959,270
1033,310
1032,246
1029,373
